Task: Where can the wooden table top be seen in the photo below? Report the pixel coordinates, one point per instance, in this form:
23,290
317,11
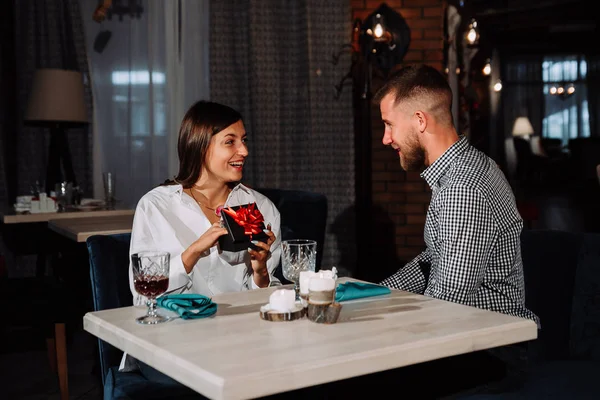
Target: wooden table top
79,229
237,355
13,218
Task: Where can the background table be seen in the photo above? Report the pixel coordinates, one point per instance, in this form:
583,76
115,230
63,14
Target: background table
79,229
236,355
29,234
14,218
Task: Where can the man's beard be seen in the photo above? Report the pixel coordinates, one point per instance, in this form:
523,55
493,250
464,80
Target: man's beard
412,156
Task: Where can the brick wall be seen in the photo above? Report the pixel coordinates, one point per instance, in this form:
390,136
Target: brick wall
400,199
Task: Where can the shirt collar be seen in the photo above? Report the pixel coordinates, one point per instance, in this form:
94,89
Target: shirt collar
435,171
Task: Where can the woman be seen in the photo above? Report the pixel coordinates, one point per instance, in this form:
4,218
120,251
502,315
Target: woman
180,216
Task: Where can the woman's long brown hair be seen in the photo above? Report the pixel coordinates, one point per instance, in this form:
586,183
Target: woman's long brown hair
201,122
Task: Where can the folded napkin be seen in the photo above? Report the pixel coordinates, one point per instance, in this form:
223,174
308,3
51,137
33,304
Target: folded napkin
357,290
188,305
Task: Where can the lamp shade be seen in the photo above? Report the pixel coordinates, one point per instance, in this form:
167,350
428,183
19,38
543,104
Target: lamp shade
522,127
57,95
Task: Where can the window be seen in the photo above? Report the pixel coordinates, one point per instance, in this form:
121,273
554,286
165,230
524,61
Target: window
565,97
131,94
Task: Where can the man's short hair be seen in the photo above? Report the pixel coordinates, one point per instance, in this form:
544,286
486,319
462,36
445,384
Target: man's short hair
418,82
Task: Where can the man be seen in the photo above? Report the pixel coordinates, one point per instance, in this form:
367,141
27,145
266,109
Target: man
472,229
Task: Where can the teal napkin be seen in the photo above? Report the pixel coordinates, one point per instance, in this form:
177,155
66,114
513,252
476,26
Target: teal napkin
357,290
188,305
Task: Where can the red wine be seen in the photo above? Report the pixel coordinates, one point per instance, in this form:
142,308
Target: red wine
152,287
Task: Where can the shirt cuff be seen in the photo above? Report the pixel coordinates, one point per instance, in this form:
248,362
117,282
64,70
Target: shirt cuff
255,286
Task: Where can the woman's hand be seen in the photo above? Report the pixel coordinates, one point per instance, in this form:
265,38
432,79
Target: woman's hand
202,246
258,259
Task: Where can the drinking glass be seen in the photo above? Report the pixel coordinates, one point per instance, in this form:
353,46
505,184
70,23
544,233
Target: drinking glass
109,179
150,279
298,255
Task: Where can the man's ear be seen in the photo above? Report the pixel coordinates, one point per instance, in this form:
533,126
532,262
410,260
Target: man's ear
421,118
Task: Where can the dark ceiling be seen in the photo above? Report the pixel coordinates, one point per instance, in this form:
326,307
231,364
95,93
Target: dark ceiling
535,26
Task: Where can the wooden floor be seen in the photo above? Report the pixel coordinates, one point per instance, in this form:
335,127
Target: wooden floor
26,372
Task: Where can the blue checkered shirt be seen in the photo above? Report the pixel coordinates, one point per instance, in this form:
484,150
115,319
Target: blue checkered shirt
472,233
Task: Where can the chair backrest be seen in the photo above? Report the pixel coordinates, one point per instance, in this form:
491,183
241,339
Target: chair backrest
109,273
549,268
303,215
585,156
562,286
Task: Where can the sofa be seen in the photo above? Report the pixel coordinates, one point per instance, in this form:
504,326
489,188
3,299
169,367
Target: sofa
562,281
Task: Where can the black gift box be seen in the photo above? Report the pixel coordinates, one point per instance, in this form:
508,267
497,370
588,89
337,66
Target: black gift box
236,239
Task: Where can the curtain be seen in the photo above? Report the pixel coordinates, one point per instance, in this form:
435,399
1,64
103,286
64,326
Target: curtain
147,68
8,114
522,92
522,95
37,34
272,60
49,34
593,90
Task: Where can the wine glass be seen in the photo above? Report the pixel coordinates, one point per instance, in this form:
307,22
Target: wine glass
151,278
298,255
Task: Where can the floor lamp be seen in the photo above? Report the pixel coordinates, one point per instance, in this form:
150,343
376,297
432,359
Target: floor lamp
57,102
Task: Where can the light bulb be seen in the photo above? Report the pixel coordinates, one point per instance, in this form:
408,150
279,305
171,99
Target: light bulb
378,31
472,35
487,69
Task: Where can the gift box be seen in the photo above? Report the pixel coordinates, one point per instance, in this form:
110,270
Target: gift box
243,223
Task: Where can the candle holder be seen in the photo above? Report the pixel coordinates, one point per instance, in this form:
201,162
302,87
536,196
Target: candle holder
296,313
323,313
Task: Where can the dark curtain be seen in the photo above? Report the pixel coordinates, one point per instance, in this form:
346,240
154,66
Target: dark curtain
37,34
49,34
522,95
593,93
273,61
8,119
523,92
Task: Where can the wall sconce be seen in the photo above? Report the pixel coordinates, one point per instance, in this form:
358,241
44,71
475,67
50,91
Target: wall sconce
108,8
379,43
472,33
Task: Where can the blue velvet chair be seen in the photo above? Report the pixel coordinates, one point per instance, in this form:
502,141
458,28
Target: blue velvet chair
303,216
109,273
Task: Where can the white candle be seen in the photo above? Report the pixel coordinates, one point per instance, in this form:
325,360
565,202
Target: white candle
304,277
321,289
282,300
332,274
321,283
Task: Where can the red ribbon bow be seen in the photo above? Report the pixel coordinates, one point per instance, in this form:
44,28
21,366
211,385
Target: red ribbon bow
248,218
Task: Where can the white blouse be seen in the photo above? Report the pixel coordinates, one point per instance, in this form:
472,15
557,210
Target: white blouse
167,219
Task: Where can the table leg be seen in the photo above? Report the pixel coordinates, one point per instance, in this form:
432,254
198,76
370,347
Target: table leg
61,357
